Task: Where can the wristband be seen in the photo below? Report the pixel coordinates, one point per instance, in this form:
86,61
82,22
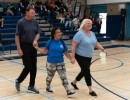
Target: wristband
103,50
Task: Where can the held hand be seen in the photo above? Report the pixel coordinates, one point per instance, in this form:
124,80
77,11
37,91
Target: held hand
105,52
20,52
36,46
35,43
72,60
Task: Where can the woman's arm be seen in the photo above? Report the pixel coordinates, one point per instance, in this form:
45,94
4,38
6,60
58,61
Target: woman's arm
73,48
67,55
100,47
42,50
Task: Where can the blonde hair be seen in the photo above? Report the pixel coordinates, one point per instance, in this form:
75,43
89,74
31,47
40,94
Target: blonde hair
83,23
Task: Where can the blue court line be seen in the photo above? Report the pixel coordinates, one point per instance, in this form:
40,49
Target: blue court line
106,70
121,73
13,96
24,86
19,63
124,89
121,64
104,86
15,62
82,82
115,86
113,46
67,78
48,98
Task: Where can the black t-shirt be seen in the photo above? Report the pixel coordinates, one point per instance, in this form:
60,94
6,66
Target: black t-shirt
27,30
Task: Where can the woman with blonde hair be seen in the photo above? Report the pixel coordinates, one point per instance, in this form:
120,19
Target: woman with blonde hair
83,45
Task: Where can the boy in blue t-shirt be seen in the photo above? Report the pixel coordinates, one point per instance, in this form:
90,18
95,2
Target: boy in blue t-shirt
55,49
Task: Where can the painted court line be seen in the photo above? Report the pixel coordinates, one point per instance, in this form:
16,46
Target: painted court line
48,98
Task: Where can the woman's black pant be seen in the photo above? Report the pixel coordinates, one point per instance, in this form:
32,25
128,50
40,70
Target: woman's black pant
29,59
84,63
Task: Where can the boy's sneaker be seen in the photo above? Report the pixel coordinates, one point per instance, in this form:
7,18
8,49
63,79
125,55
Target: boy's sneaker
93,94
75,86
33,90
71,94
17,85
49,90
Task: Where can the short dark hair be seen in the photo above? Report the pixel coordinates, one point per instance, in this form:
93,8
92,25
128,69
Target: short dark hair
53,32
28,8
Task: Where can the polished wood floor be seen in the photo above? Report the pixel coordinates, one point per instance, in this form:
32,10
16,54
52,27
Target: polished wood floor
114,74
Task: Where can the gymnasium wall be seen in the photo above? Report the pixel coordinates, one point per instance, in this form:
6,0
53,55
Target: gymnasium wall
114,19
92,2
110,9
127,33
96,9
99,8
115,9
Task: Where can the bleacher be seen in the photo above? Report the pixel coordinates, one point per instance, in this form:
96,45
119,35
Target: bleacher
8,32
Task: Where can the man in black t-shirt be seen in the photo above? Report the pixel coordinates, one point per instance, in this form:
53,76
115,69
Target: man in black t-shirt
27,35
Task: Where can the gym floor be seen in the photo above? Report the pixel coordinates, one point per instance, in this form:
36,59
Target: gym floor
113,74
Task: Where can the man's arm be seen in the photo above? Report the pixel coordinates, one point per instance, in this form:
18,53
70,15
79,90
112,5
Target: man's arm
18,45
36,39
17,42
37,35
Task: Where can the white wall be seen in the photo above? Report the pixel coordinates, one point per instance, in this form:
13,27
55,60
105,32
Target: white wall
115,9
91,2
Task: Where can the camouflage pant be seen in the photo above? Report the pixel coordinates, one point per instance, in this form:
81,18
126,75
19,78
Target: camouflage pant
60,68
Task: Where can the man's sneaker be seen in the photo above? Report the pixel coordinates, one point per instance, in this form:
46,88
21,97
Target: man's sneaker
33,90
49,90
17,85
75,86
71,94
93,94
